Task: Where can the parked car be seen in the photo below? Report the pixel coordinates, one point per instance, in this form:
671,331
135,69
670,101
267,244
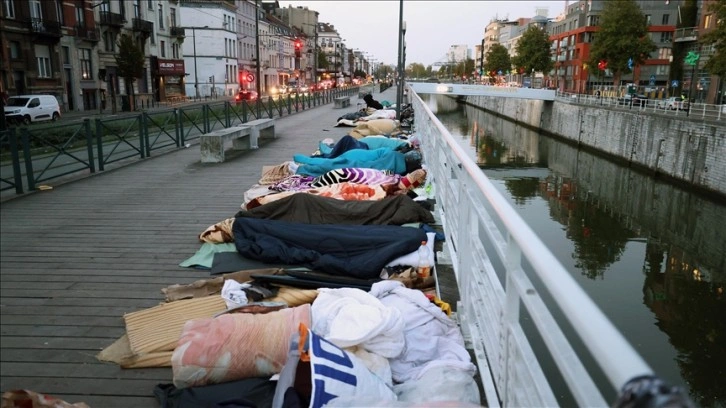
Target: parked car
32,108
673,103
245,95
633,100
303,89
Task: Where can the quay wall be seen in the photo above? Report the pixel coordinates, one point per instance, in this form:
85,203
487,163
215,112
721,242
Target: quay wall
687,151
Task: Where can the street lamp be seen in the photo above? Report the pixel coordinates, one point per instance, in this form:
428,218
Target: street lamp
401,35
194,45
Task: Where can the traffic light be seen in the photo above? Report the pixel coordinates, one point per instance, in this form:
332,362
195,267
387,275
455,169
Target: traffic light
298,48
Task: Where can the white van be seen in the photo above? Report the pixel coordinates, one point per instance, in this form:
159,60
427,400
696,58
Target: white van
32,108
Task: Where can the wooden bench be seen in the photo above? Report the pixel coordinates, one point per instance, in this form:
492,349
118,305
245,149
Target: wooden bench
341,102
211,145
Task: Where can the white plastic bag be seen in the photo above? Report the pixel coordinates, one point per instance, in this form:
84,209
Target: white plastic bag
233,293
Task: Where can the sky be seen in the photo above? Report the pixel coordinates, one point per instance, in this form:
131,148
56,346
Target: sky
431,26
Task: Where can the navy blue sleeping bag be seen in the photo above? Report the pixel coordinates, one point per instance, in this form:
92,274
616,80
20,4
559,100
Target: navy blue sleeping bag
360,251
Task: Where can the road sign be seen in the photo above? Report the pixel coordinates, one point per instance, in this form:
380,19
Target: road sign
652,80
674,83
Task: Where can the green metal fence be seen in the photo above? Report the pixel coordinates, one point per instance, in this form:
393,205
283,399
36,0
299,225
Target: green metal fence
30,155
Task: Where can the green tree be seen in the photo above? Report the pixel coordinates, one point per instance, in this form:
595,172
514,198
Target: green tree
497,59
716,63
130,63
416,70
322,61
623,34
359,73
533,52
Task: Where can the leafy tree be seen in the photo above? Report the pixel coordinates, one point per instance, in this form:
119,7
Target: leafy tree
623,34
415,70
359,73
716,63
323,61
497,59
130,63
465,67
533,51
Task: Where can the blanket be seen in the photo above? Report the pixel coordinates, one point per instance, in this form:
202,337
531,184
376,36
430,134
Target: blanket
359,251
312,209
381,159
374,127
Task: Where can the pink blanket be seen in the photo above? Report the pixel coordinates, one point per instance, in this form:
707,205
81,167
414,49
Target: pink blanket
235,346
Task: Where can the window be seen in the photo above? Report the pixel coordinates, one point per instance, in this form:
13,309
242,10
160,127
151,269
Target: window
151,5
175,50
137,8
42,57
162,48
86,72
80,17
105,7
14,50
122,9
664,53
9,8
665,19
708,21
66,55
109,40
666,37
161,16
647,19
662,70
36,11
59,12
172,17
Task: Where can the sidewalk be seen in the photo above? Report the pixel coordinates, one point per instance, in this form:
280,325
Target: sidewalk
74,259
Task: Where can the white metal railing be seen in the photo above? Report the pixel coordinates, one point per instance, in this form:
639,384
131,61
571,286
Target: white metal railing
698,110
493,253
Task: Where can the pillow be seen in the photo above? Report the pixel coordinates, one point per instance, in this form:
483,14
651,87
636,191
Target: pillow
412,258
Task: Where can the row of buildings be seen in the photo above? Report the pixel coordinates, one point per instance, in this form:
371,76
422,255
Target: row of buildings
571,34
194,48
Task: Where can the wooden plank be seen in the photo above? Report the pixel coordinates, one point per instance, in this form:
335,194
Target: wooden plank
48,356
98,370
88,386
109,292
82,301
43,319
62,331
59,343
77,311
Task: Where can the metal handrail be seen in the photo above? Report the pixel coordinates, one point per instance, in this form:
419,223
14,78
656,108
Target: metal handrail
485,239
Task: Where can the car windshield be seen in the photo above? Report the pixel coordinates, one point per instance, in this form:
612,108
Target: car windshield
17,101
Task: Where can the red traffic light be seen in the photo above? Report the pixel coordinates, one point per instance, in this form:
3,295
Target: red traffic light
298,44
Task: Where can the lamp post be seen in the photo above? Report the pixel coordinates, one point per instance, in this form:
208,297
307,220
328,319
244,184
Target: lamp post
257,57
194,47
401,35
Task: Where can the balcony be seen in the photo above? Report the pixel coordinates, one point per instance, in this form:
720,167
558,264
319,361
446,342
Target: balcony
46,28
143,26
685,34
177,32
87,33
112,19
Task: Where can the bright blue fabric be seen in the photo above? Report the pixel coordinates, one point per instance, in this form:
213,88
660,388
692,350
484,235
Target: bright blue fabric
380,159
377,142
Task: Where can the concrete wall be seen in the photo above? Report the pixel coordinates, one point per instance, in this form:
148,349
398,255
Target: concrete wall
690,151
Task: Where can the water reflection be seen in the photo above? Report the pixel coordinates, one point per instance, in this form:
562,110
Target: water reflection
651,255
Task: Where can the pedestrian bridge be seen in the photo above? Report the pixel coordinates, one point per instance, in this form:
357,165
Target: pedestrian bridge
483,90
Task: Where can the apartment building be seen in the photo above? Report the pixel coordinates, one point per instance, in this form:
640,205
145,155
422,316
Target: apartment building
31,48
305,21
572,34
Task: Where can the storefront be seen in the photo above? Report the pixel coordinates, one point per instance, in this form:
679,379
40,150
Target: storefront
168,76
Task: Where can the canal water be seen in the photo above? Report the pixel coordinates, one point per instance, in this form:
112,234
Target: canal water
651,255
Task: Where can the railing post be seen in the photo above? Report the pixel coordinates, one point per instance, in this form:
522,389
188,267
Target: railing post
17,177
244,111
177,139
89,144
205,118
25,140
227,115
99,143
143,137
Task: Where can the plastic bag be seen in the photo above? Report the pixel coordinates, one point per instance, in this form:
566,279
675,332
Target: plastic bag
318,370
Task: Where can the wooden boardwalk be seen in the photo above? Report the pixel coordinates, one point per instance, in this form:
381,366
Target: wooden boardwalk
74,259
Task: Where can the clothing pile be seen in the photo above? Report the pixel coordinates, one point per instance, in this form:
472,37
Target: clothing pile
319,301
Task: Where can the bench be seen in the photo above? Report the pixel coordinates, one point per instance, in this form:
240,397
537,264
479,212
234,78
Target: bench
341,102
244,137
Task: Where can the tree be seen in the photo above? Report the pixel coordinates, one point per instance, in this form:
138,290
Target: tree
322,61
359,73
716,63
130,63
623,35
416,70
497,59
533,52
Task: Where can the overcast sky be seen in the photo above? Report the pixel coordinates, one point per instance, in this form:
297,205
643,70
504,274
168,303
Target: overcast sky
431,26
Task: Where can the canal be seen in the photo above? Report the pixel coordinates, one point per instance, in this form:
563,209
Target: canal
651,255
